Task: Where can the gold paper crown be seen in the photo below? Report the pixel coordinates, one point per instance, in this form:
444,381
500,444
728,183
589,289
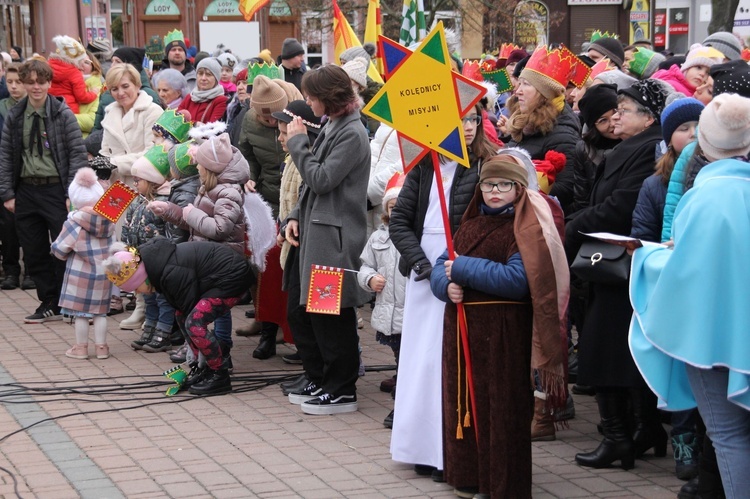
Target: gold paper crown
127,269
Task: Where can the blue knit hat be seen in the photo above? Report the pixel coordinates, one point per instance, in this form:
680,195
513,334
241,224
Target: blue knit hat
679,112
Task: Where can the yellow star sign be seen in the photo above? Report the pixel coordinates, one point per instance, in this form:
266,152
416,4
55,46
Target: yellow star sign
424,100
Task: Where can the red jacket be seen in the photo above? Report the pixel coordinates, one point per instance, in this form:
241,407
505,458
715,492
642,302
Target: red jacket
205,112
68,83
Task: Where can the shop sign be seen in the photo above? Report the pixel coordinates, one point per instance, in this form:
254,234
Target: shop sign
280,8
162,8
530,24
223,8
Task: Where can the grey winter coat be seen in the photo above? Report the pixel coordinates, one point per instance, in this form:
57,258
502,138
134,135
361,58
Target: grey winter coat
380,256
65,142
332,207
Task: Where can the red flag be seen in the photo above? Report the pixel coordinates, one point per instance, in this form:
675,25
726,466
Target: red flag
115,201
324,294
248,8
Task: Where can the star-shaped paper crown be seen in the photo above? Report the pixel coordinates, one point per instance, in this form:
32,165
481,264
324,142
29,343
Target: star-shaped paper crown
471,70
174,125
174,36
128,268
600,67
181,162
159,157
268,70
506,49
596,35
560,65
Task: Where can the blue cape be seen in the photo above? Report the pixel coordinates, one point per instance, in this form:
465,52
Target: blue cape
691,304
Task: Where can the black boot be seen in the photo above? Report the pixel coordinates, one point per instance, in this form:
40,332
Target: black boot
196,374
159,342
214,383
709,478
617,443
649,433
267,344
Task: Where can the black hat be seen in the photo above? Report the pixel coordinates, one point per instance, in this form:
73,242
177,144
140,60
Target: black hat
610,47
131,55
671,61
520,66
648,93
731,77
301,109
597,100
291,48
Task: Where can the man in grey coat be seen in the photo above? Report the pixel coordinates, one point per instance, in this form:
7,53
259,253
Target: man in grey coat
40,152
328,227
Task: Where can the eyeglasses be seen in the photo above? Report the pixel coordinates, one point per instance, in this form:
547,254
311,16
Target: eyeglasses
473,119
605,121
623,111
501,186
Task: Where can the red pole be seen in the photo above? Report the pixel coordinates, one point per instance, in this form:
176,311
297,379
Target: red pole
461,312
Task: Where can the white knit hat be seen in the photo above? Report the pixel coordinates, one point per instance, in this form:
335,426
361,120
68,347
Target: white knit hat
68,49
724,127
357,70
85,189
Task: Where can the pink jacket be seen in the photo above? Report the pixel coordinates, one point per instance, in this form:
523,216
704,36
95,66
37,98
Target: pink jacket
676,78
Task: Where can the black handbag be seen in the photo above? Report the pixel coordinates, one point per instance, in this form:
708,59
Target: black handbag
602,262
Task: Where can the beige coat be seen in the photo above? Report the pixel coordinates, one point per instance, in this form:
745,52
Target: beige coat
127,137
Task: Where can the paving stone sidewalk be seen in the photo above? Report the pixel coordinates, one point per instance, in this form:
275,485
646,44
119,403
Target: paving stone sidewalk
132,441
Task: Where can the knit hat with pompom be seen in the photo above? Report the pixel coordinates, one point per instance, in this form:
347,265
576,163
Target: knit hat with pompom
85,189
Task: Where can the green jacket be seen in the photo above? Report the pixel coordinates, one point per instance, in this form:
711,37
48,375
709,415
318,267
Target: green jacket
260,146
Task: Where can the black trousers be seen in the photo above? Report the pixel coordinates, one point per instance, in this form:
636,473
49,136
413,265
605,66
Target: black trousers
40,214
327,344
11,250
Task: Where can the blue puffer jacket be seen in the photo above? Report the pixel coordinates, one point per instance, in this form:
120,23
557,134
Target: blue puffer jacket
508,281
675,190
649,210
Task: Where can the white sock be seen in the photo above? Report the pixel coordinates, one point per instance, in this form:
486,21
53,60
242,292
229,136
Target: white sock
100,330
82,330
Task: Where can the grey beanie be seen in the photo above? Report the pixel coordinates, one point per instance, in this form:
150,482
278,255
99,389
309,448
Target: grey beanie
213,65
616,77
291,48
352,53
726,43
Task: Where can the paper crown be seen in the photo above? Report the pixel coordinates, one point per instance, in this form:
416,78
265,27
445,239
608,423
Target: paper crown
560,65
500,78
181,162
641,58
268,70
602,66
745,54
174,36
471,70
173,125
506,49
159,157
596,35
128,267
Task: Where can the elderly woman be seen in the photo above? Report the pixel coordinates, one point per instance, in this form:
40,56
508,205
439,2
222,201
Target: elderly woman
127,121
207,102
172,87
604,359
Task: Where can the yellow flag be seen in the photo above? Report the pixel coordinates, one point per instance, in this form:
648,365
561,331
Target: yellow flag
373,29
344,37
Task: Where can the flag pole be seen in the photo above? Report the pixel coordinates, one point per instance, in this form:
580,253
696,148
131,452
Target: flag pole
461,312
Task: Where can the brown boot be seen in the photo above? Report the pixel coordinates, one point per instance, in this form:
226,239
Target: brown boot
252,330
542,426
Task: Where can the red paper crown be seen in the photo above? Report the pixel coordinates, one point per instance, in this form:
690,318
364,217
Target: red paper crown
397,180
745,54
506,49
560,65
472,70
600,67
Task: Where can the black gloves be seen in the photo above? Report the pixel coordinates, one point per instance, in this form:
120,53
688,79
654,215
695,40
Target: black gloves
423,269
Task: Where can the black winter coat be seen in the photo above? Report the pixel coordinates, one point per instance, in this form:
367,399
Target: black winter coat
65,142
407,218
648,215
585,163
187,272
184,192
563,138
604,358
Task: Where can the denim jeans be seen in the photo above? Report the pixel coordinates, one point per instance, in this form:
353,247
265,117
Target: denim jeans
727,424
159,313
223,328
